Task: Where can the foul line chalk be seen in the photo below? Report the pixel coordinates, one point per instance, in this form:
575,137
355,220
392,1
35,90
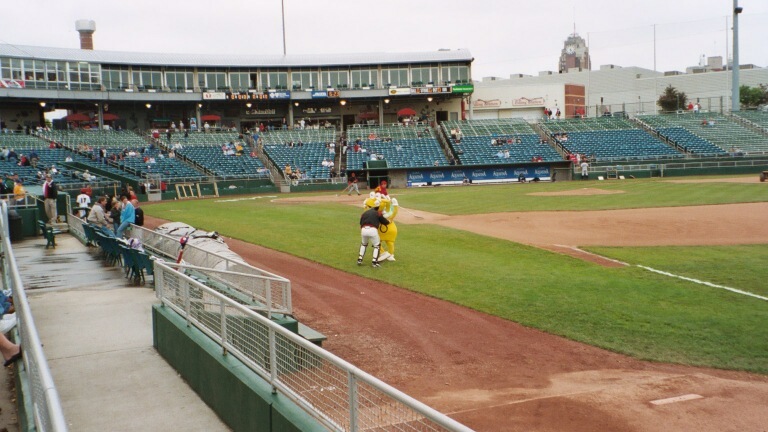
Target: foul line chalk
709,284
676,399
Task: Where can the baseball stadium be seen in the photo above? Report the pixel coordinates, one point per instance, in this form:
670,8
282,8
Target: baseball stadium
575,251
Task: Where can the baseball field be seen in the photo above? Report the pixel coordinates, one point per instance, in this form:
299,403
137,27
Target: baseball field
666,271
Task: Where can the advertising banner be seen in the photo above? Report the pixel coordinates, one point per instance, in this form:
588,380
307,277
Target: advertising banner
399,91
280,94
214,96
477,175
463,88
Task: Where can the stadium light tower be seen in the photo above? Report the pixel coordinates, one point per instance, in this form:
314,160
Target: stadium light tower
735,102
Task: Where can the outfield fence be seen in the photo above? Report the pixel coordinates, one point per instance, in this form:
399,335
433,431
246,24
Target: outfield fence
37,386
336,393
661,168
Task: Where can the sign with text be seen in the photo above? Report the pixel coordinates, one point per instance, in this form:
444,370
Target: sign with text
323,94
322,110
524,101
280,94
463,88
480,103
431,90
12,83
478,175
247,96
264,111
214,96
399,91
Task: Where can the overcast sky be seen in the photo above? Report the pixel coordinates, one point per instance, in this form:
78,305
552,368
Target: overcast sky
504,36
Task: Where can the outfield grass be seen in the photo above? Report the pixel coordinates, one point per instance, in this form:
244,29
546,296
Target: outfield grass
742,267
634,194
627,310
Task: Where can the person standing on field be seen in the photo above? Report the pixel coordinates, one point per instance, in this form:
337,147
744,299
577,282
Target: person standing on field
370,221
352,184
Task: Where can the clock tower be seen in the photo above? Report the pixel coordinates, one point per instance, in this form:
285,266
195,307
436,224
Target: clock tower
575,54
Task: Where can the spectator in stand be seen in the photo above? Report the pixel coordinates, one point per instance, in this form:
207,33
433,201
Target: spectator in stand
98,217
127,216
11,352
19,193
114,214
139,213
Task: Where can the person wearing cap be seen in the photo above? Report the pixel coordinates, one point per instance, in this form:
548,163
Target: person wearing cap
370,221
50,193
83,202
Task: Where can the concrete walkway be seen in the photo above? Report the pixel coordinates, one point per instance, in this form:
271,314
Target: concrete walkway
96,330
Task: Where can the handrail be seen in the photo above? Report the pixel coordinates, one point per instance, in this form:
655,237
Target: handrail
339,395
45,402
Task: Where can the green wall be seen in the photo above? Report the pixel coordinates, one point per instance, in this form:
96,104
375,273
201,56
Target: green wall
242,399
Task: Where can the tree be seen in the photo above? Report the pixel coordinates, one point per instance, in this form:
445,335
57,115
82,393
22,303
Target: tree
753,96
672,100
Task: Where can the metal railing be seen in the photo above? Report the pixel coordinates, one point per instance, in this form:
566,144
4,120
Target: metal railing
662,167
336,393
45,403
263,287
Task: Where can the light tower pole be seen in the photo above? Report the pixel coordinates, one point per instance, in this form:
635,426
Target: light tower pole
735,102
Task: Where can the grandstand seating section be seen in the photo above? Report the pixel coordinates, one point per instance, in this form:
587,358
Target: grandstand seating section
690,142
609,139
725,133
475,147
307,157
211,158
96,138
758,119
410,146
23,144
168,168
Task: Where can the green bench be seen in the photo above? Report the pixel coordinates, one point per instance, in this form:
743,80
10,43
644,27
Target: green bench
49,233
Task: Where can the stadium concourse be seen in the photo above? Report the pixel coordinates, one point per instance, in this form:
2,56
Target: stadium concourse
495,375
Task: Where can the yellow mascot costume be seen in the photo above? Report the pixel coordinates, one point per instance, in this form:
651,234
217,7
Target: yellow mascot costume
387,233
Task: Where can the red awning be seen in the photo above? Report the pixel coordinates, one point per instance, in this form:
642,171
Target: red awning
210,117
77,117
110,117
406,112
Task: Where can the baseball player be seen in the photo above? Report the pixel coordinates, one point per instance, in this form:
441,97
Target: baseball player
352,184
369,232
